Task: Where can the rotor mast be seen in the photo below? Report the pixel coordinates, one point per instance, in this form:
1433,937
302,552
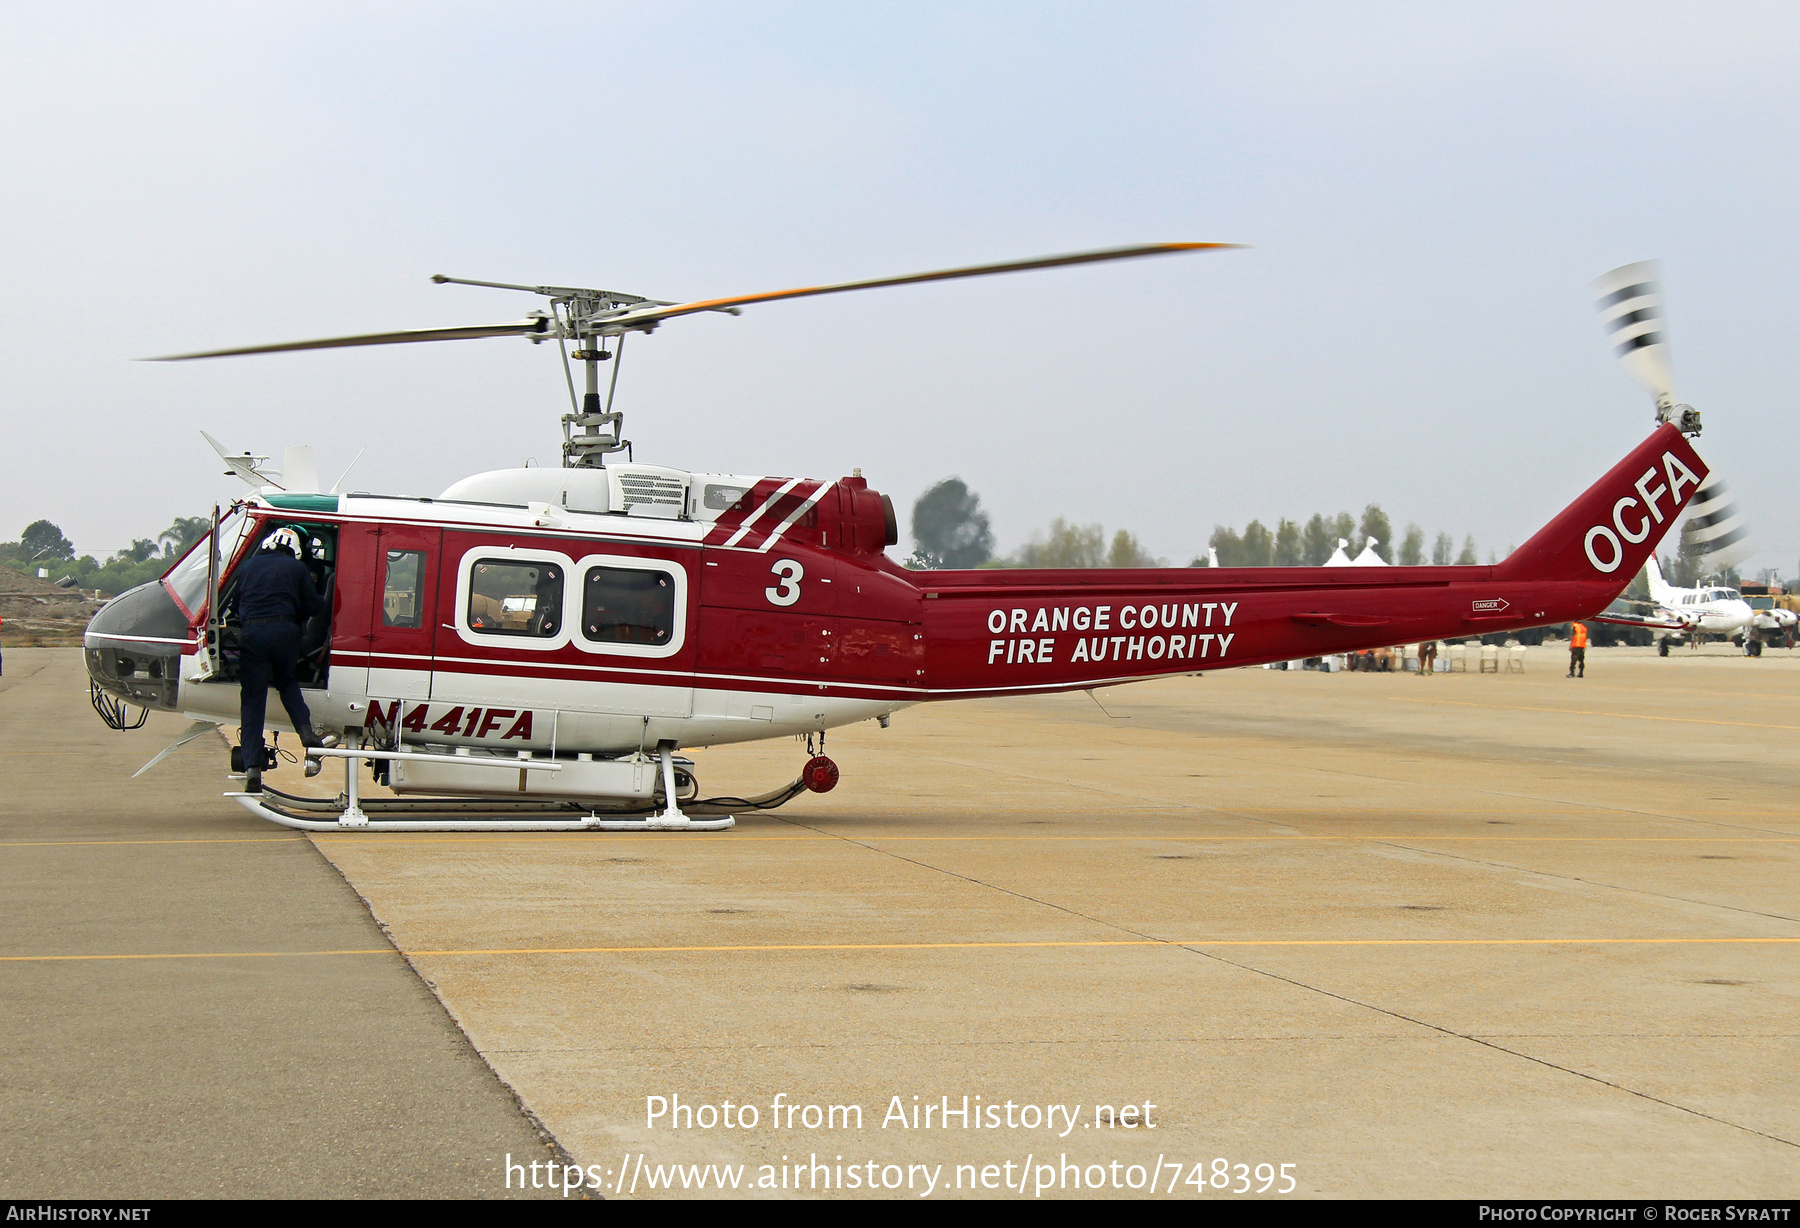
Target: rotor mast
593,430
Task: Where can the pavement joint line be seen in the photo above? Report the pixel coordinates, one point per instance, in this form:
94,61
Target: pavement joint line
1623,716
1495,1046
754,948
1589,882
1409,1036
1584,805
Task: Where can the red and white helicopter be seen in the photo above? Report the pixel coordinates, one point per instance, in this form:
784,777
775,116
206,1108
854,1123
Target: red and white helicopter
531,649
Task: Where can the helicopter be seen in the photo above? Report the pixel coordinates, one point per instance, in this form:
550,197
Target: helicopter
533,648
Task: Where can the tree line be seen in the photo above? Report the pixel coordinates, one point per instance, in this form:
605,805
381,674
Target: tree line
44,545
952,530
1292,544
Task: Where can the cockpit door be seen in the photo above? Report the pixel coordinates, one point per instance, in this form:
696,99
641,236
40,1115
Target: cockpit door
386,599
403,618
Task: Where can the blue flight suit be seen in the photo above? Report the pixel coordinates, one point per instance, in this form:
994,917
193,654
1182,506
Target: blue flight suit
274,597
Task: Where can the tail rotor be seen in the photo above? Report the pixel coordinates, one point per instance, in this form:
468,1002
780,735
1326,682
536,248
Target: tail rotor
1630,301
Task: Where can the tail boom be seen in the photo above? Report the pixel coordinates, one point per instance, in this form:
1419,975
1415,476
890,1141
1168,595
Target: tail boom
996,633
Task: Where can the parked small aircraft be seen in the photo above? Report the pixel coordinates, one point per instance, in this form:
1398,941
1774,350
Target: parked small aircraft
1712,610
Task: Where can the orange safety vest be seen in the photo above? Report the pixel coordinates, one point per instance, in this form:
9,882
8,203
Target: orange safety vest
1578,636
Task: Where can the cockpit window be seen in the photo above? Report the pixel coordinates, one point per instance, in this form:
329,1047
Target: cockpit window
187,579
509,598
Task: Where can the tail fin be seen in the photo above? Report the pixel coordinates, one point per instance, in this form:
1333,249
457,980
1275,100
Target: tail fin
1610,531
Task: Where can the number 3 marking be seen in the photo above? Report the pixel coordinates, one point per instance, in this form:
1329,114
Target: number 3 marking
789,592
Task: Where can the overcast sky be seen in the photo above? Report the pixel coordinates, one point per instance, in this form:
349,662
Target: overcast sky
1427,191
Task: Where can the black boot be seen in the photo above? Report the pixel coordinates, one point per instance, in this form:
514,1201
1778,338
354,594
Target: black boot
311,740
253,780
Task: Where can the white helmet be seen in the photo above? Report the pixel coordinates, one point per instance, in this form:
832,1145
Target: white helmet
284,539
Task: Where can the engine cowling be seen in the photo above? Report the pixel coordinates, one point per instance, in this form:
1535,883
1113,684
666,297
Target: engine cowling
858,520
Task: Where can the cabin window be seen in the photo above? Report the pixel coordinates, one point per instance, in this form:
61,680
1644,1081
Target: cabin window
515,598
621,605
402,603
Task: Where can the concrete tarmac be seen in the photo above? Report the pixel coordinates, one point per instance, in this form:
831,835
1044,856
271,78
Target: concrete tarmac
167,1026
1457,936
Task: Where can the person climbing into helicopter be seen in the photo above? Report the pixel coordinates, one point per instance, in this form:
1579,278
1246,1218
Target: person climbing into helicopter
274,597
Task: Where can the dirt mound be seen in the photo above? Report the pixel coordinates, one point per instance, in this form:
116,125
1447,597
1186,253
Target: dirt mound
34,611
17,582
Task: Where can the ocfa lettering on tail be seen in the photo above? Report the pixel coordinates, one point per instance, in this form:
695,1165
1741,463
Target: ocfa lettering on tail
1675,475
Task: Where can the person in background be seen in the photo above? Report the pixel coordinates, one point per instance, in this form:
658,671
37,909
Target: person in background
1578,650
1427,657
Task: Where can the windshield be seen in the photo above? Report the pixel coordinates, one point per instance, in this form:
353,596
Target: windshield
187,579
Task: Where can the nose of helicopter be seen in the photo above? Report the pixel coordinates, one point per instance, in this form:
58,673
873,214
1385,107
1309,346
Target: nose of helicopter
134,644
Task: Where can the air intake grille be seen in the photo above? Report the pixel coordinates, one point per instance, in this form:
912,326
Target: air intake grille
649,488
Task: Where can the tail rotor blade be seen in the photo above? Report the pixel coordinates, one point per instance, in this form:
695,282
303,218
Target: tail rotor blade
1716,527
1630,301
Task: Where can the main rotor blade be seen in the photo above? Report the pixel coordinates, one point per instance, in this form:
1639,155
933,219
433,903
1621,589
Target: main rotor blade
648,315
533,326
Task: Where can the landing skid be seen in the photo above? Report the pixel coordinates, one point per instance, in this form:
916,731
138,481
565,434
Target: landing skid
350,812
454,814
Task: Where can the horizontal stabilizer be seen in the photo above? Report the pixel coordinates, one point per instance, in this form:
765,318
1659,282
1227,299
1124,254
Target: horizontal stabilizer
1341,620
1638,620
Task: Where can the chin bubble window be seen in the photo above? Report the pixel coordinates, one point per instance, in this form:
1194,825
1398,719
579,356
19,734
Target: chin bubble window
514,598
628,606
